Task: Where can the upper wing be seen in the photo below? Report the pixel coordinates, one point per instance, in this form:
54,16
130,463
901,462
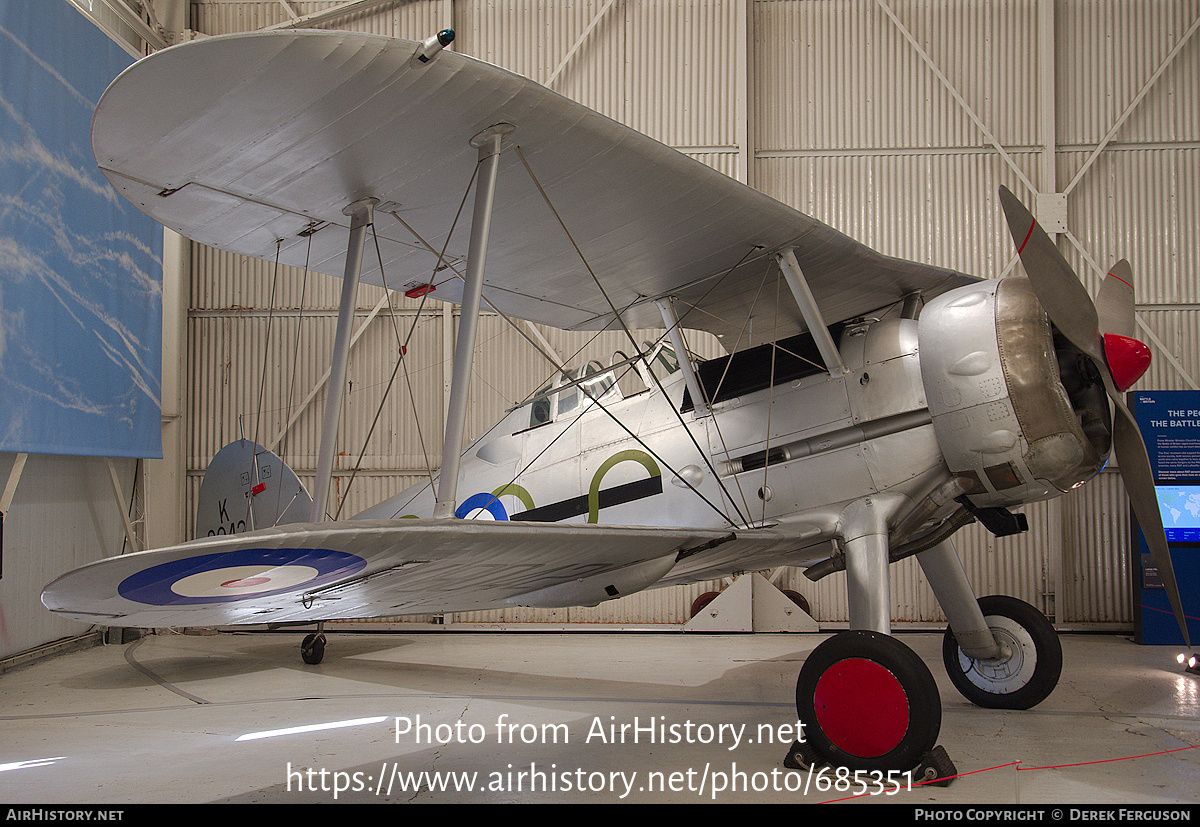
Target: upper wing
250,142
354,569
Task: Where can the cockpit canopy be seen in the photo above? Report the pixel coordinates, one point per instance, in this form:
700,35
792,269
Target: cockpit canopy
573,389
570,390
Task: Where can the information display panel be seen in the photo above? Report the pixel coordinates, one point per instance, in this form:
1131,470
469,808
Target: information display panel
1170,425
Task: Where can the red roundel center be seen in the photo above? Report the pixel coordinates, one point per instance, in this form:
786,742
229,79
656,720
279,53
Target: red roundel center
245,581
861,707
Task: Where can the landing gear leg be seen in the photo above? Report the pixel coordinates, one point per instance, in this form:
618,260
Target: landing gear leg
312,649
867,701
1000,652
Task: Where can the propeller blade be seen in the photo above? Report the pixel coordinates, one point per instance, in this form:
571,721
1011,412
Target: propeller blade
1128,358
1134,462
1114,302
1057,287
1070,308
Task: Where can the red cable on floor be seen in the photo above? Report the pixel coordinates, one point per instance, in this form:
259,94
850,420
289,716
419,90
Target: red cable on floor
1108,760
1017,764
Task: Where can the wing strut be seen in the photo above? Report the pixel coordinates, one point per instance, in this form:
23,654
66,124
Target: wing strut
488,143
362,215
810,312
667,308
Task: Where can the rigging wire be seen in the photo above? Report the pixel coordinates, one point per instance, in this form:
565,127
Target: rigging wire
292,383
561,369
311,231
404,346
401,351
725,372
262,387
679,324
632,339
766,491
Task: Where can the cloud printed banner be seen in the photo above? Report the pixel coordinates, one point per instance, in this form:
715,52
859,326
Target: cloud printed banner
80,268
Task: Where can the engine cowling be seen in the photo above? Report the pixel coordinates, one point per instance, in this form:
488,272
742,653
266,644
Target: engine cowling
1020,414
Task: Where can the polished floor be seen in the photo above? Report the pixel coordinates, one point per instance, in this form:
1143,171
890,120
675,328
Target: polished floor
551,717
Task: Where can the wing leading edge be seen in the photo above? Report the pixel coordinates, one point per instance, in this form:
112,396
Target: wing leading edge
358,569
263,156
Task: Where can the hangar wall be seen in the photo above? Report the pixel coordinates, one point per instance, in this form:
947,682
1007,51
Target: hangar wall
65,512
60,512
895,121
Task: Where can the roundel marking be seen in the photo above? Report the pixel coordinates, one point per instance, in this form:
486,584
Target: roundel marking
489,502
235,581
242,574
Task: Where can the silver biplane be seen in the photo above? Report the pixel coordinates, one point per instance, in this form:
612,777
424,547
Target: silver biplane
880,406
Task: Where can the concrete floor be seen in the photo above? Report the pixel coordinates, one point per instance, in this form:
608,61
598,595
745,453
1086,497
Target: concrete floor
156,721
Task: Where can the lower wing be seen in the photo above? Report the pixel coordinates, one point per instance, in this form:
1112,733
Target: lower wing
356,569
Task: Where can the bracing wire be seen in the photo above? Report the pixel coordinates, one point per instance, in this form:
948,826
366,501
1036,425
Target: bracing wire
621,321
562,369
403,346
262,387
295,367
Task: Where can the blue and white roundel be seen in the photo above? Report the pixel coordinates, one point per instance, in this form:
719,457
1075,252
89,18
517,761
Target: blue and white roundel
243,574
482,502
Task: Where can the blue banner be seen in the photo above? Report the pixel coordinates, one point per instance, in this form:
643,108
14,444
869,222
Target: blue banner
80,268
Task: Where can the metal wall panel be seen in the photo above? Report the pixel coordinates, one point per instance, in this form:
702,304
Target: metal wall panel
1109,50
842,75
942,209
1140,204
412,20
664,67
248,378
1096,582
575,48
64,514
1178,330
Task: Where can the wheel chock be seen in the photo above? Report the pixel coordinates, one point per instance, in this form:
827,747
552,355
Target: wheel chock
801,756
935,768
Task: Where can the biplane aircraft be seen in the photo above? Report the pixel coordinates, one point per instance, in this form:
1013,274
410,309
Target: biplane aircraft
867,409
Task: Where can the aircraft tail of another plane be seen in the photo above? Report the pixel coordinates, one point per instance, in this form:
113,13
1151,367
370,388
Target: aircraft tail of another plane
248,487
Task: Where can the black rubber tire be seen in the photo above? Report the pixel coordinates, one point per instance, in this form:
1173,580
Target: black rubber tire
868,702
1035,647
312,649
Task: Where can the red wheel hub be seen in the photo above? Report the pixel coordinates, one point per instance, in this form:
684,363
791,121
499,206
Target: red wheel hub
861,707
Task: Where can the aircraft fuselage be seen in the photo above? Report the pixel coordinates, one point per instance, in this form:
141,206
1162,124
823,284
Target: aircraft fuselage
968,400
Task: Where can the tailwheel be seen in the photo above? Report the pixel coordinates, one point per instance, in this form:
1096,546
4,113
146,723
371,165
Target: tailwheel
868,702
312,649
1029,664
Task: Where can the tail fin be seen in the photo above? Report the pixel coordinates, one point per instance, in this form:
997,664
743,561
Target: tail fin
248,487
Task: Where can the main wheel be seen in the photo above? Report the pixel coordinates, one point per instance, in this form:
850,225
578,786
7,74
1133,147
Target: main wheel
868,702
312,649
1026,673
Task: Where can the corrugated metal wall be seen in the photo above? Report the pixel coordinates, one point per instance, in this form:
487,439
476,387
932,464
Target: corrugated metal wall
64,514
895,121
